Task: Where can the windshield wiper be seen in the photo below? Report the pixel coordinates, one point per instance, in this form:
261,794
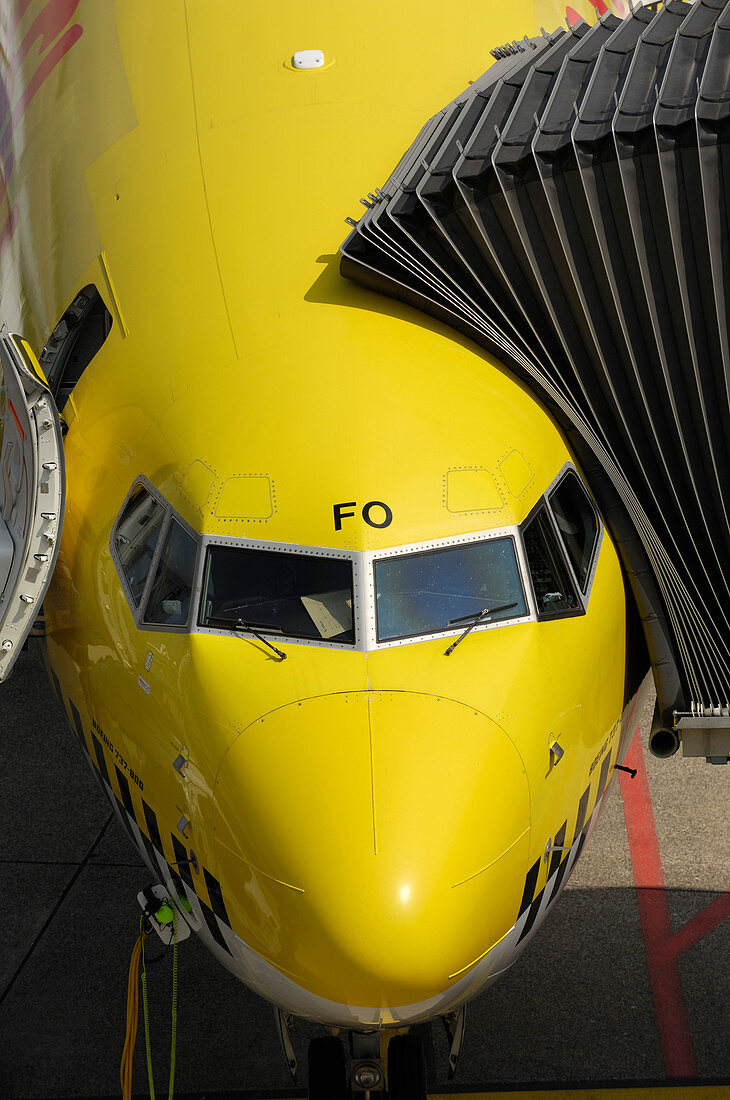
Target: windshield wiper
476,617
241,624
250,628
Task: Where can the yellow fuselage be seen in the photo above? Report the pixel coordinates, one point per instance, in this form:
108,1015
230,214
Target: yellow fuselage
371,817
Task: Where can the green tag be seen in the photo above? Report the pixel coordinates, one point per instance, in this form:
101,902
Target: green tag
164,914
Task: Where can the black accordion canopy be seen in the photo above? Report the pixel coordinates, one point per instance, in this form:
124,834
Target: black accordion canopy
569,212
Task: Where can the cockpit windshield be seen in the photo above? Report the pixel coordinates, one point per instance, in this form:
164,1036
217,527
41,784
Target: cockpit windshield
438,590
280,592
176,579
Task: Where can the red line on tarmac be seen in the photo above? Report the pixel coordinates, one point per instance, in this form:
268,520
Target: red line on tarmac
702,924
651,895
662,947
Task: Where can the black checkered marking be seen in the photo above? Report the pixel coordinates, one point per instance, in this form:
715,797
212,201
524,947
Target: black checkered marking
216,919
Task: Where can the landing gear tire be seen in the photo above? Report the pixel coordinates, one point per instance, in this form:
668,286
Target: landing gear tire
327,1071
406,1068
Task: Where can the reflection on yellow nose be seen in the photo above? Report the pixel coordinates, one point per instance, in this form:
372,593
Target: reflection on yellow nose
372,844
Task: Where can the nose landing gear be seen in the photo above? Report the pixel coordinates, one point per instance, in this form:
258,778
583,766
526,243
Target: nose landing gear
330,1079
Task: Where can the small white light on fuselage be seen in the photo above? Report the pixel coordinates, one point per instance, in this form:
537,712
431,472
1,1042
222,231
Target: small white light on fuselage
308,59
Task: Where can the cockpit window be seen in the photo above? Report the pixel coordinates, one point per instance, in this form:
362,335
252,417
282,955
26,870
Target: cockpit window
169,600
297,595
554,591
577,524
135,538
365,599
440,590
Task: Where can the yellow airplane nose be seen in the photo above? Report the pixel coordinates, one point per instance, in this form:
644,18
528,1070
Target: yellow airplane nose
372,845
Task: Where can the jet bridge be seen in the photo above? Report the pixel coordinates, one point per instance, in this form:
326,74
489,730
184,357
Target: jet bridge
569,213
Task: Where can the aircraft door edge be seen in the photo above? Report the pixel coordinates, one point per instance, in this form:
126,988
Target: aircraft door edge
32,493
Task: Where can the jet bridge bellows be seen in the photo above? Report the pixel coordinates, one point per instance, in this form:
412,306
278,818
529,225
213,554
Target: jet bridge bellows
569,212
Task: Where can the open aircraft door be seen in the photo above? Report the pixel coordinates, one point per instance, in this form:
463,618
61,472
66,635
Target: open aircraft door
32,493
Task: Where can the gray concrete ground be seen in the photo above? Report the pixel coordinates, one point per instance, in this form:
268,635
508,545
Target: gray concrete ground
576,1007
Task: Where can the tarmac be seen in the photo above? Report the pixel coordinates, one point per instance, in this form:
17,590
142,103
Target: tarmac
627,984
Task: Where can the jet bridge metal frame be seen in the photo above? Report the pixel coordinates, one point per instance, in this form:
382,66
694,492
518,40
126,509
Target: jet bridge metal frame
570,212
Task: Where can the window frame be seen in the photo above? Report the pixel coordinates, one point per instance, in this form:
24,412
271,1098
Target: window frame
181,628
564,474
412,549
208,541
582,596
170,514
363,573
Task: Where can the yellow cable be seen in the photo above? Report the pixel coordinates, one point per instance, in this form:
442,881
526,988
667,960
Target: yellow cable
148,1045
173,1038
125,1071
